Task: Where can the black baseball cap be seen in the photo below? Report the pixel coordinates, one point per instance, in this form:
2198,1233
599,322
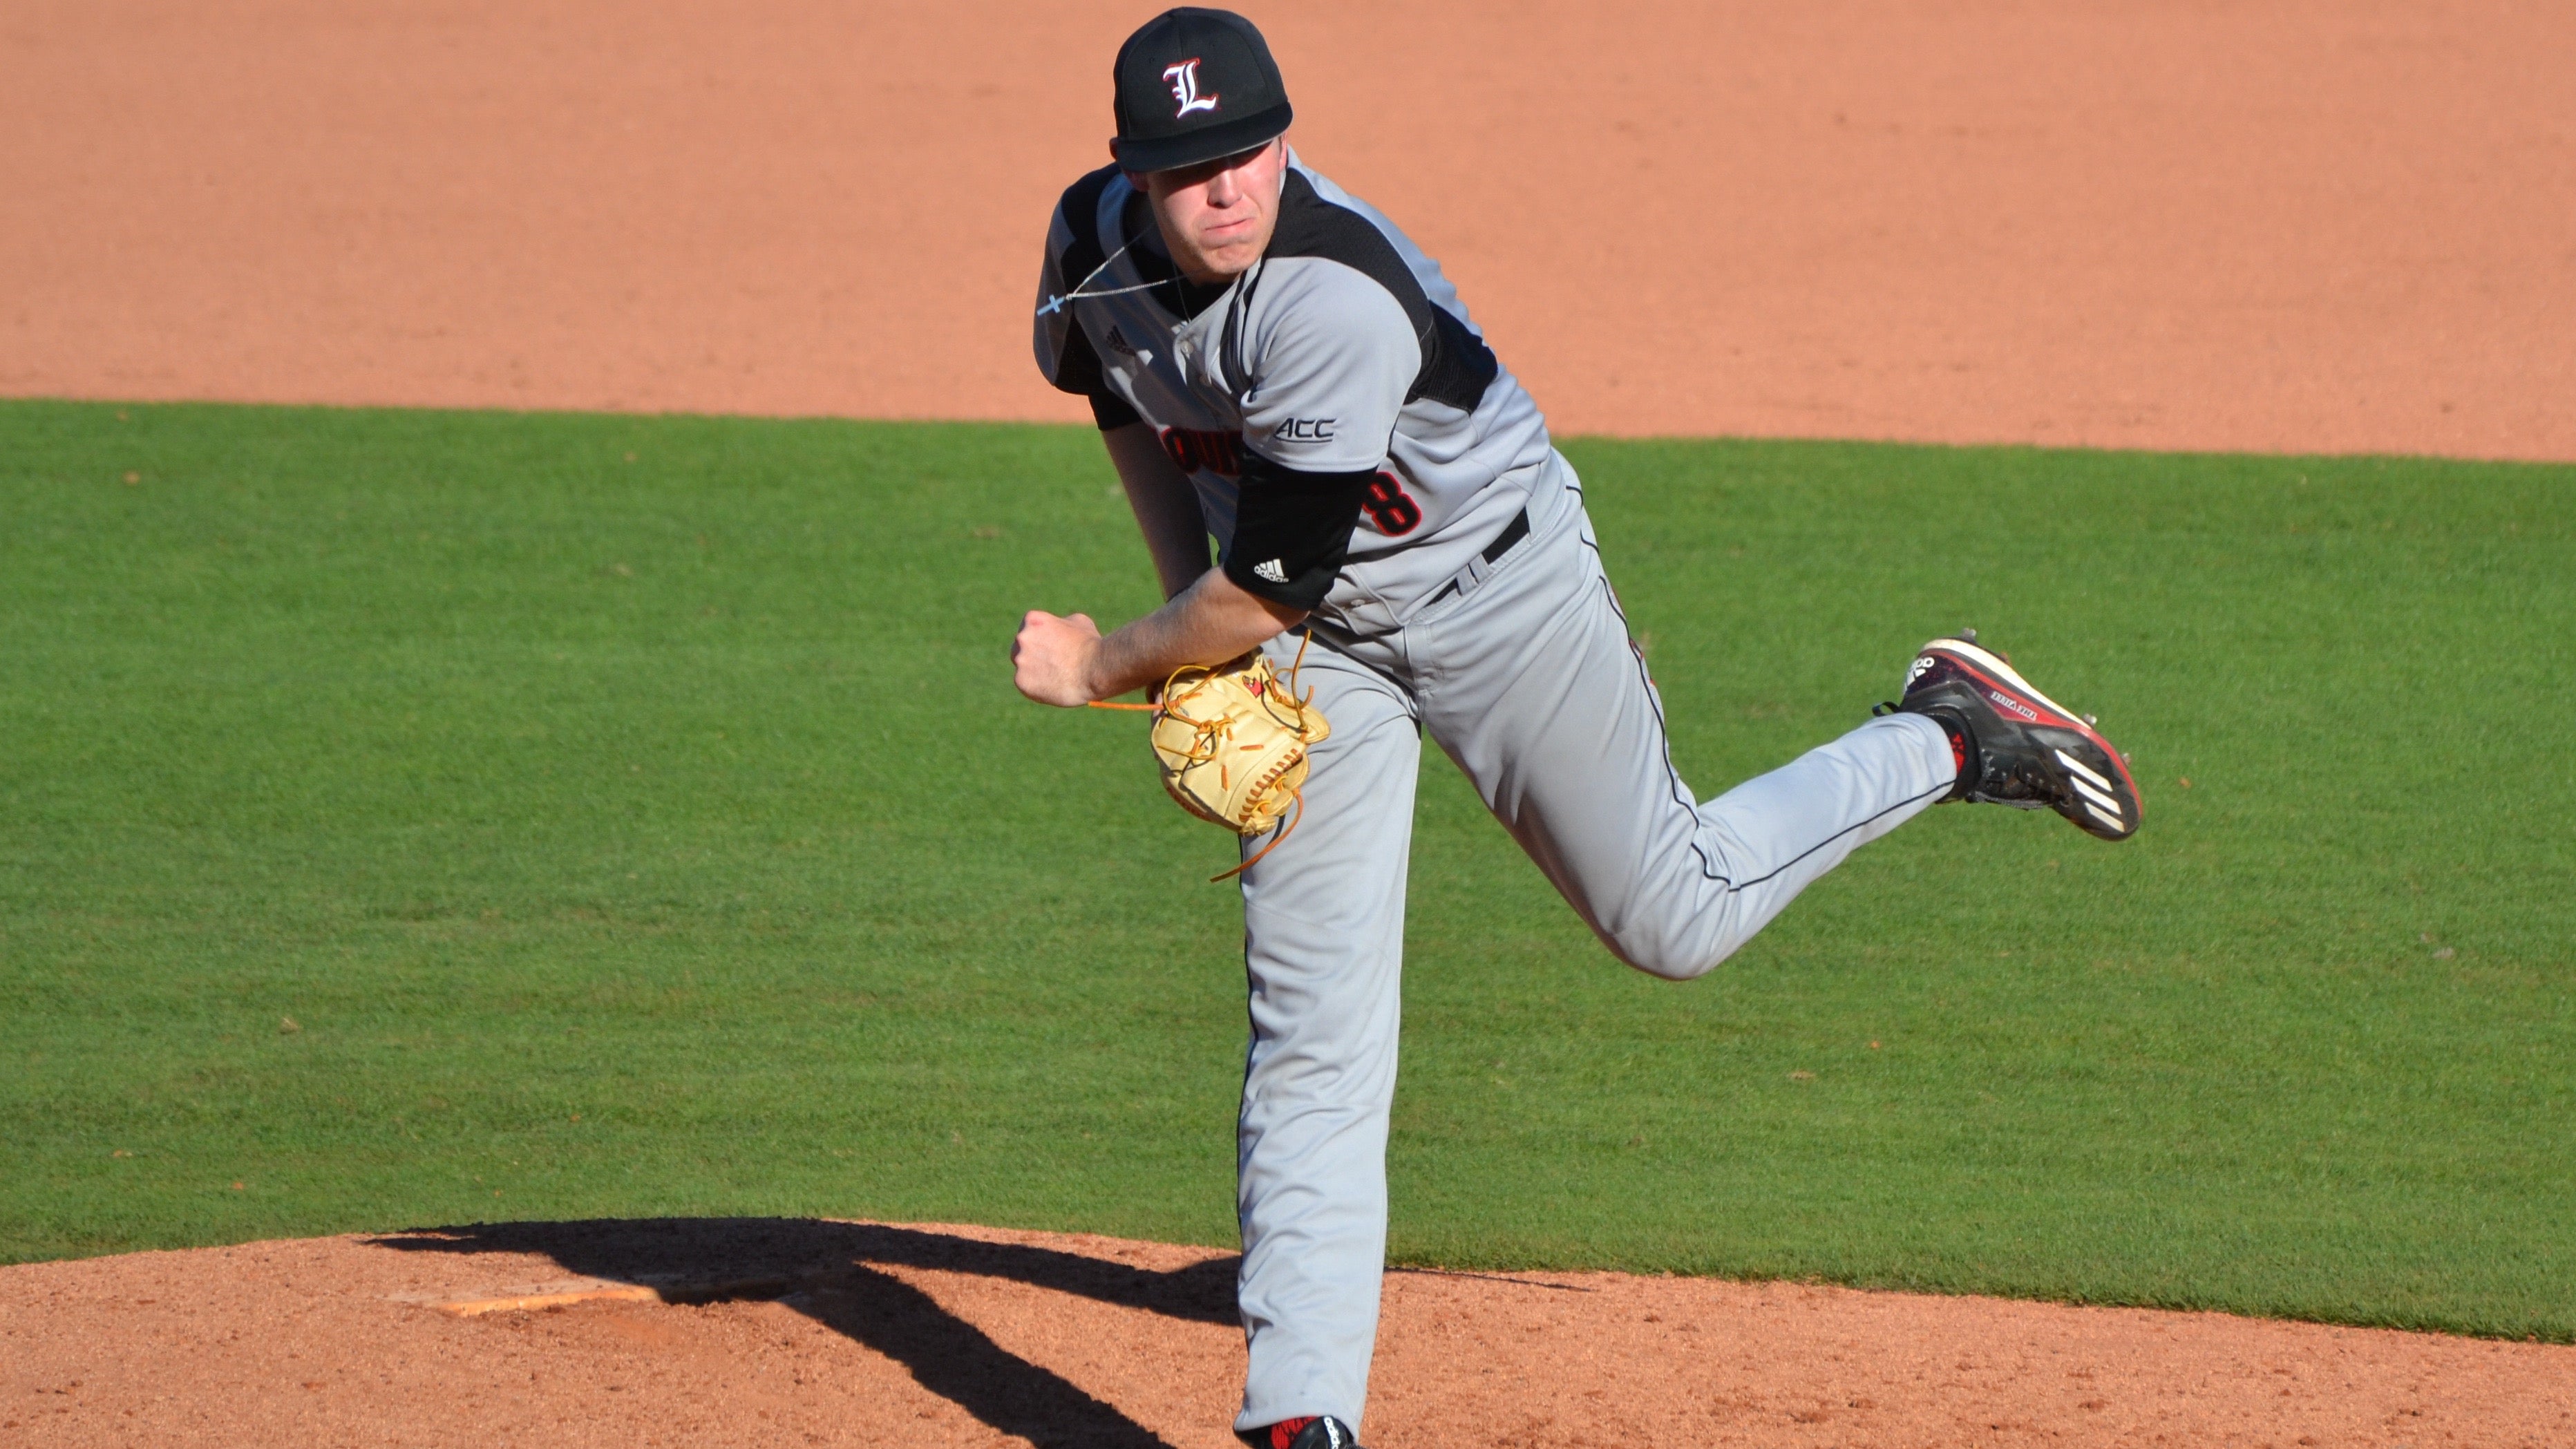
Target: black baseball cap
1194,85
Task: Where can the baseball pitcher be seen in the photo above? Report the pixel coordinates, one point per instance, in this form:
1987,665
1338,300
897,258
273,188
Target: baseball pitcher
1275,366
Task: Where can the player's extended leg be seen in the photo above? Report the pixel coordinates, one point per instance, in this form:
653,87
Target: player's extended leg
1543,703
1323,917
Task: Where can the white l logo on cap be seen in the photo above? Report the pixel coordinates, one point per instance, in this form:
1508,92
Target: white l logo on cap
1184,79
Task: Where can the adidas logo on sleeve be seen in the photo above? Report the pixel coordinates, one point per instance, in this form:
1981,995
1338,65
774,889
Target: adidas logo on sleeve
1270,569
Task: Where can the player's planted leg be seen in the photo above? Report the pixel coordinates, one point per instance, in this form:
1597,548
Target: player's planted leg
1323,917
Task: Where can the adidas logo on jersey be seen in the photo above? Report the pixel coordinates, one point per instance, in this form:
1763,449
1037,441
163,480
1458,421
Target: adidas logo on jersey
1270,569
1118,342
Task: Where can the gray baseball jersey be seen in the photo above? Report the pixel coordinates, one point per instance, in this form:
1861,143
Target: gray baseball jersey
1343,353
1358,451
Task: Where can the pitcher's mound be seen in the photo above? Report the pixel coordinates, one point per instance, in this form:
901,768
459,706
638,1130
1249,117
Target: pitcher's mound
789,1331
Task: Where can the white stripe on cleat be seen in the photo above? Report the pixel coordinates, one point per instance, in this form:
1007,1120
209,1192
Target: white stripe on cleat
2072,763
2114,821
2095,800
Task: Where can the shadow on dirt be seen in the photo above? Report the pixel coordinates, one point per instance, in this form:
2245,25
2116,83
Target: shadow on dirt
824,1270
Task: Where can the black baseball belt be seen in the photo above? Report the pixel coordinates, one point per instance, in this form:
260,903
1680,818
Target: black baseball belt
1513,532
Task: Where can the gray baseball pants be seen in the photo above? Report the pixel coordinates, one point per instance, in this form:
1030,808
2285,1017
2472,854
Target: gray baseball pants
1526,677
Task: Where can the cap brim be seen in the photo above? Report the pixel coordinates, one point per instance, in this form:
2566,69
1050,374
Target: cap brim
1171,153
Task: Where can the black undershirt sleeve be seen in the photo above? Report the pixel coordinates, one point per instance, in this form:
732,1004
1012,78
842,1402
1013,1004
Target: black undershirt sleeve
1292,530
1110,410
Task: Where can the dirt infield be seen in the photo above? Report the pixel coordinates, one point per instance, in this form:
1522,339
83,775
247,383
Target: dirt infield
805,1332
2273,225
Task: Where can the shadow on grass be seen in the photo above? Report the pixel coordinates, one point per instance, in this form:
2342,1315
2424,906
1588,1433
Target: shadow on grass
828,1272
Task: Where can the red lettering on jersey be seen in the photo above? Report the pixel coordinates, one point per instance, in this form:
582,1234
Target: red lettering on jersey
1197,448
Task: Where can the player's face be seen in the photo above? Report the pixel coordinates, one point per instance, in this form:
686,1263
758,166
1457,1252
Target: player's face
1217,216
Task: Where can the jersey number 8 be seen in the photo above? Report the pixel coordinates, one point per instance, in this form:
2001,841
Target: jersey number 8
1389,507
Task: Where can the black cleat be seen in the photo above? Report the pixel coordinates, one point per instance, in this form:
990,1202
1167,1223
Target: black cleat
1324,1433
2015,745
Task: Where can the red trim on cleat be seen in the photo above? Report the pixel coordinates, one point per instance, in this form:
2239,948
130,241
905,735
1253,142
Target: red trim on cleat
2011,690
2022,749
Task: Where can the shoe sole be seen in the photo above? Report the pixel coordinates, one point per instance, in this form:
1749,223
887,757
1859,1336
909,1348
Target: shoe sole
2003,674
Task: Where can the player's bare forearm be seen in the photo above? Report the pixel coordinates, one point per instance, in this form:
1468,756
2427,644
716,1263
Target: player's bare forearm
1209,622
1166,506
1067,661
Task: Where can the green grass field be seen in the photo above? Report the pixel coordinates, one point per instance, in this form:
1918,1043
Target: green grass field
633,816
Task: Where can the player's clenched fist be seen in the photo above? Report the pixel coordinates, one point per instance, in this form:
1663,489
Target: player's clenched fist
1051,658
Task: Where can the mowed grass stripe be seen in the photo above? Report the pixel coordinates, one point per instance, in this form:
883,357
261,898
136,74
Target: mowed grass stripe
633,817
